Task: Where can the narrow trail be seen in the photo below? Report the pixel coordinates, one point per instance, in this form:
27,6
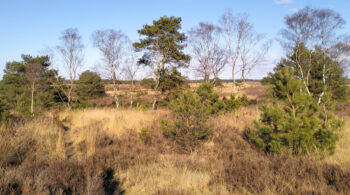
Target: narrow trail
67,139
68,144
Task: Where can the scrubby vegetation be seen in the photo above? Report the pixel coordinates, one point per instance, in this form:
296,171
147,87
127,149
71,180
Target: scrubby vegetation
166,135
190,124
78,153
299,125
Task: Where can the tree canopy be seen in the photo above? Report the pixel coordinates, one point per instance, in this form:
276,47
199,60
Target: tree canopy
163,39
15,88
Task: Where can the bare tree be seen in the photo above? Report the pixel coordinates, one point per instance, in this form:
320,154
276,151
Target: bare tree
71,51
130,69
33,71
340,52
111,44
208,53
245,47
252,52
219,63
233,28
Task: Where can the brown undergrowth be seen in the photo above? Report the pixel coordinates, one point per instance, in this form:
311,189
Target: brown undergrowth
101,151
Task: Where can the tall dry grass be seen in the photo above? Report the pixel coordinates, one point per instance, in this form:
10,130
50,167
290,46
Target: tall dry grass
112,121
96,151
342,154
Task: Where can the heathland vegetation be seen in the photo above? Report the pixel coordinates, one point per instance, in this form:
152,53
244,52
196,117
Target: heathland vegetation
108,132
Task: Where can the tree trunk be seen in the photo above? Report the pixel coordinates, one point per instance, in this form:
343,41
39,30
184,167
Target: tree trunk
131,91
206,78
115,96
233,80
242,83
115,90
32,102
238,90
154,105
69,96
302,71
323,78
131,101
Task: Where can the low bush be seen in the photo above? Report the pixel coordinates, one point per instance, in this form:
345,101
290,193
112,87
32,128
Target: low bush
89,85
4,113
234,103
207,96
190,123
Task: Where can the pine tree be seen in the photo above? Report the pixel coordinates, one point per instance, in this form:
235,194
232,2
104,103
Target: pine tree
163,45
295,123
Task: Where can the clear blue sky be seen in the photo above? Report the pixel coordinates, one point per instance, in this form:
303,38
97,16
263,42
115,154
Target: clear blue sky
28,27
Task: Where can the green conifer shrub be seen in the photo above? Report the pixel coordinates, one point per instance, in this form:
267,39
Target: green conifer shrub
207,96
89,85
294,123
190,125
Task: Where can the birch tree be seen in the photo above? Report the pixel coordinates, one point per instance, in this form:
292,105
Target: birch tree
252,52
313,29
245,48
130,70
328,22
71,51
33,72
209,56
233,28
111,44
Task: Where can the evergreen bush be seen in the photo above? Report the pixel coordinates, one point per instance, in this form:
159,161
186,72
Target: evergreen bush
190,124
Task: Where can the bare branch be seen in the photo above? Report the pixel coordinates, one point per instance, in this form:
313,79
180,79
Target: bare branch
208,53
111,45
71,52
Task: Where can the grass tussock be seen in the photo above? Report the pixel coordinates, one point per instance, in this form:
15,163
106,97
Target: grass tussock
104,151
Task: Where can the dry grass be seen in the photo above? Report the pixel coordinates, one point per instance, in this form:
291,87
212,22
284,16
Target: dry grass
111,121
342,155
240,120
253,89
86,125
166,177
107,155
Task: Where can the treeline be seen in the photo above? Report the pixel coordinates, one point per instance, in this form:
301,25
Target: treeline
161,49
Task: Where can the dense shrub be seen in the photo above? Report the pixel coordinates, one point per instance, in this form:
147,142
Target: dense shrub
89,85
296,123
217,82
190,124
234,103
4,113
171,80
207,96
